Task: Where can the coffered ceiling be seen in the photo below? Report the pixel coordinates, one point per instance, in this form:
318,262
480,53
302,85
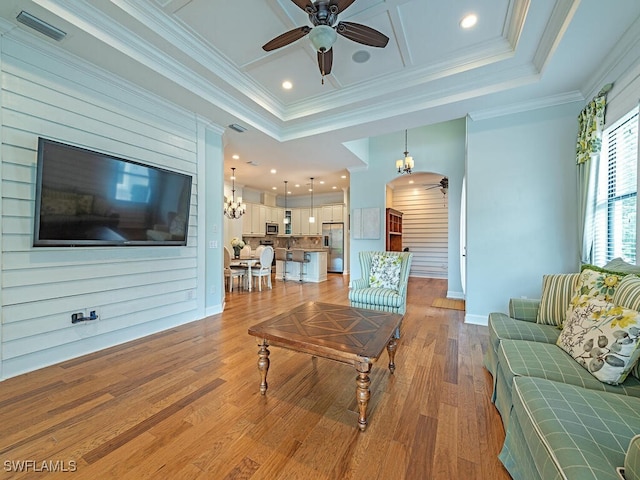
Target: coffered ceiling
206,56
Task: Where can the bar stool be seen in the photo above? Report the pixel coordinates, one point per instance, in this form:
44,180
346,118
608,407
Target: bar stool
281,255
297,255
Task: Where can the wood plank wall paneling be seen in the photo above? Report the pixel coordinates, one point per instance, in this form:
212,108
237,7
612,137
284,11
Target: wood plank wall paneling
425,229
136,290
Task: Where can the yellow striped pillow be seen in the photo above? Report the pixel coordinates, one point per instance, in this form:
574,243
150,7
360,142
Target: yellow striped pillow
557,291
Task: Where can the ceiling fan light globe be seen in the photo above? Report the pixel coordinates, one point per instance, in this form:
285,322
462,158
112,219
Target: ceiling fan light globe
323,37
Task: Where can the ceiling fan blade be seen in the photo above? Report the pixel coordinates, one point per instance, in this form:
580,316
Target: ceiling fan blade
325,61
304,4
342,4
286,38
362,34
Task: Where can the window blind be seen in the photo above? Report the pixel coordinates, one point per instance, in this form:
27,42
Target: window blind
617,192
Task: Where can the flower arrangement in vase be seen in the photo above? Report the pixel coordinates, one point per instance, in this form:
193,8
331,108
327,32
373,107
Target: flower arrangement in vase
237,244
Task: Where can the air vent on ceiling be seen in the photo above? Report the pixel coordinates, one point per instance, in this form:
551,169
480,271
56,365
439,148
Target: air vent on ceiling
41,26
237,128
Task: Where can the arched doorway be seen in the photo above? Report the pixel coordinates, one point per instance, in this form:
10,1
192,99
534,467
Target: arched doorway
425,221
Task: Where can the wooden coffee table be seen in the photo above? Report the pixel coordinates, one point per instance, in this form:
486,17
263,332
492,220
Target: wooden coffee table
354,336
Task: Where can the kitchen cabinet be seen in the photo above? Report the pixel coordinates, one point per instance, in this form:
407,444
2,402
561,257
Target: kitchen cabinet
332,213
300,222
274,215
254,220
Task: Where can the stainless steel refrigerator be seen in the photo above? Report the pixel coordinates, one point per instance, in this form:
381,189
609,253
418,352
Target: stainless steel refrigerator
333,240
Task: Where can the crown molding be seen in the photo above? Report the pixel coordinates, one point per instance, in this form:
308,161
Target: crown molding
533,104
201,51
561,16
625,53
479,85
493,53
86,17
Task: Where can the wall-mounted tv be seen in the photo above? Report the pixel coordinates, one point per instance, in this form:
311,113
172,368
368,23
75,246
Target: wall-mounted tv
88,198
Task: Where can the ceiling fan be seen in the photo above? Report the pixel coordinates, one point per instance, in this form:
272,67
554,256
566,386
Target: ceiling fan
443,185
323,14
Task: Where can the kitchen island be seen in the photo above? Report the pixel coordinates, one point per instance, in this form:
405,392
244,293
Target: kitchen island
314,269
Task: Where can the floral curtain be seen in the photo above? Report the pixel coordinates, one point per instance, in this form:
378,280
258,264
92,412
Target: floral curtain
589,143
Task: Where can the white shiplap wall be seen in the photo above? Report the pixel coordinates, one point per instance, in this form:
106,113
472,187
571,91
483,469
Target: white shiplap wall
424,229
136,290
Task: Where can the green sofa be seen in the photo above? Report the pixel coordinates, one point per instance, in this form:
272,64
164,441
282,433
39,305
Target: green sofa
560,420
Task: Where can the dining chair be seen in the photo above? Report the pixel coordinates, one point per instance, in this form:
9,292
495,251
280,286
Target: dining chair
229,272
256,253
264,270
246,251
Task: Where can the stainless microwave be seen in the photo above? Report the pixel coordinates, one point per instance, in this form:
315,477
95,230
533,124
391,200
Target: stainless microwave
272,229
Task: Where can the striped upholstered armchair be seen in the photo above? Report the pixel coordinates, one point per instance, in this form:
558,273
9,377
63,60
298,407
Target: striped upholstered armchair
383,285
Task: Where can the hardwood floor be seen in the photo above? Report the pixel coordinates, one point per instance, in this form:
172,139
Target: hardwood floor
186,403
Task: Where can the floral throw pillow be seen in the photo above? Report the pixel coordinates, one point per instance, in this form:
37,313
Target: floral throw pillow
594,282
385,271
603,338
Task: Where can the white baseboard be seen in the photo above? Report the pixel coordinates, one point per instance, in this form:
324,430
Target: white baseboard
476,319
455,295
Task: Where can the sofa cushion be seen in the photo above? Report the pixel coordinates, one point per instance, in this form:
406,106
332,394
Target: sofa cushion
557,291
517,358
632,460
385,271
619,265
501,327
383,297
568,432
603,338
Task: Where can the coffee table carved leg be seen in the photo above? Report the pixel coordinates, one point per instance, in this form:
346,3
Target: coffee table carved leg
391,349
363,393
263,365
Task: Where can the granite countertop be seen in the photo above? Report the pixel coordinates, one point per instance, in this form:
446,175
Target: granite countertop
310,249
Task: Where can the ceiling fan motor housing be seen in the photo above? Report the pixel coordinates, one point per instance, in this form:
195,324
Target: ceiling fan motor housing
322,13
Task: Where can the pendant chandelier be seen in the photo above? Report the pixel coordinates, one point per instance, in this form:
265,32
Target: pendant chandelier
406,165
234,209
312,219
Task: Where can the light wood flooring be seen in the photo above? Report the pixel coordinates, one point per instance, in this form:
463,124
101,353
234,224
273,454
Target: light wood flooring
185,403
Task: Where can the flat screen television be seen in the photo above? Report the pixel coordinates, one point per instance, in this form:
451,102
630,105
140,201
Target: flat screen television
88,198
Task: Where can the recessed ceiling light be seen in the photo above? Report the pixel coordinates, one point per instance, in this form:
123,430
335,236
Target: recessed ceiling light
287,85
297,185
274,188
469,21
343,176
321,182
273,170
236,157
334,187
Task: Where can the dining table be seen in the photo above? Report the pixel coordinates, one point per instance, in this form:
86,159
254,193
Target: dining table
247,262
